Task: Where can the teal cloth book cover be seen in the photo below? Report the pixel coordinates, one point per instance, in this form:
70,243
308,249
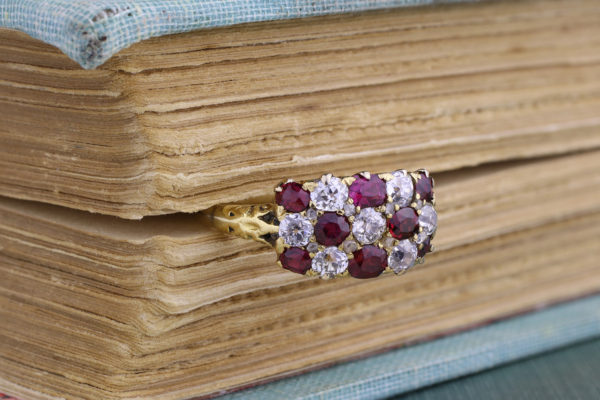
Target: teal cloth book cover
90,31
414,367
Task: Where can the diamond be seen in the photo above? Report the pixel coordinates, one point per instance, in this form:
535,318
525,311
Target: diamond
312,247
330,194
428,219
368,262
421,237
403,223
368,226
295,230
292,197
349,246
403,256
367,192
331,229
424,187
418,204
296,260
349,209
390,208
389,242
330,262
400,188
311,214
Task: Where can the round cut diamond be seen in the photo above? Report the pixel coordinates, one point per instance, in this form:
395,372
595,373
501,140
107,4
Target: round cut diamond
390,208
295,230
403,223
331,229
400,188
368,226
421,237
368,262
367,192
428,219
330,262
403,256
330,194
292,197
389,242
312,247
296,260
418,204
311,214
349,209
349,246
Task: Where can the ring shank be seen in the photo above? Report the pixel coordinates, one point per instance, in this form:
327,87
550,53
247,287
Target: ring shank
256,222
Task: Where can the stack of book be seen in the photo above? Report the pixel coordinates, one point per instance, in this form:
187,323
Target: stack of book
114,286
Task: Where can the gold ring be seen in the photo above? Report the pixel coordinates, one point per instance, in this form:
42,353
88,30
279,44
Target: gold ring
359,226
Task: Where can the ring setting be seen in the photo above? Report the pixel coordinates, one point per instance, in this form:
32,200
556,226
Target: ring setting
360,226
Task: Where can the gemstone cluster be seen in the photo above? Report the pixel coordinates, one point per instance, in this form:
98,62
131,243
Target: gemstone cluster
359,225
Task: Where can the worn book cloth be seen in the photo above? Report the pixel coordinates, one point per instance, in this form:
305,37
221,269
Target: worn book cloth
419,366
90,32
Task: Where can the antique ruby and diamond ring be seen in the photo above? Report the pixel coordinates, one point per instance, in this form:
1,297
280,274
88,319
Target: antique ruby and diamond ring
361,225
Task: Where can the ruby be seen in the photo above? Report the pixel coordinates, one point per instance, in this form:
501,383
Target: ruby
369,192
331,229
426,248
424,187
296,260
403,223
368,262
292,197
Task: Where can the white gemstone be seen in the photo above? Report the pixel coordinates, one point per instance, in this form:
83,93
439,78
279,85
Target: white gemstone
400,188
389,242
403,256
368,226
311,213
390,208
349,209
349,246
295,230
312,247
422,236
330,194
428,219
330,262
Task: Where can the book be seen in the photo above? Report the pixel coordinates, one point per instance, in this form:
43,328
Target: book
113,284
167,307
180,123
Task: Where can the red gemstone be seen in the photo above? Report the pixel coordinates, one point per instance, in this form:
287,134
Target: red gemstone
331,229
292,197
368,262
424,187
296,260
403,223
426,248
367,192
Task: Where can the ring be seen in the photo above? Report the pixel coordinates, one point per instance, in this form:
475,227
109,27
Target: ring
359,226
